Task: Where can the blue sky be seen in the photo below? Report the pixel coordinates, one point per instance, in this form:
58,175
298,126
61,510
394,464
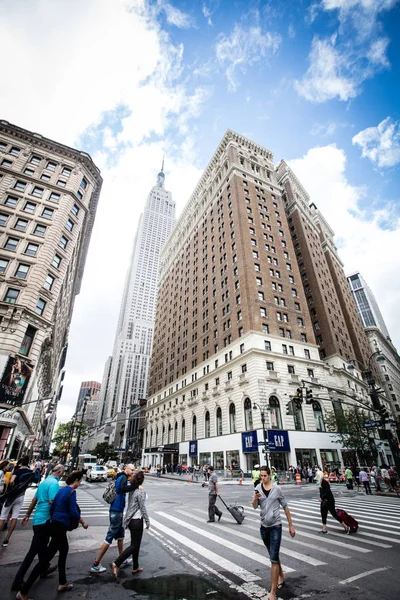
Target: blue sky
316,82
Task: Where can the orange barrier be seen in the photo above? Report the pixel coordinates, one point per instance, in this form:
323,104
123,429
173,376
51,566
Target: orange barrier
332,478
298,479
281,480
326,476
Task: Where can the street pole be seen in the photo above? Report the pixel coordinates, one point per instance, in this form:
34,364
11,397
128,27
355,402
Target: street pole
265,436
76,449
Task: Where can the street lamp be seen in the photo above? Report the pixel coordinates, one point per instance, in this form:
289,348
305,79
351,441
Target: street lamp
266,446
76,448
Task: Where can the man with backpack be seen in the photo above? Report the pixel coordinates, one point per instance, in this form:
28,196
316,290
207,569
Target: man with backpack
116,530
21,479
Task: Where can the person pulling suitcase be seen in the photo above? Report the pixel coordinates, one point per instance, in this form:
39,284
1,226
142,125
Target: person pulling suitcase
213,493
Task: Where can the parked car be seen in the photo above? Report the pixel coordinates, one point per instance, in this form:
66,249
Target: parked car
96,473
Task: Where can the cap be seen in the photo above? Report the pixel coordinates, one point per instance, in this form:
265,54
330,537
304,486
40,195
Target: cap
256,466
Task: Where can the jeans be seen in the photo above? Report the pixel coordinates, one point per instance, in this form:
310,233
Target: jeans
272,536
116,530
58,543
212,508
136,529
367,487
39,543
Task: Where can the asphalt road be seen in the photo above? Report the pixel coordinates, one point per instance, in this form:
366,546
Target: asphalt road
185,558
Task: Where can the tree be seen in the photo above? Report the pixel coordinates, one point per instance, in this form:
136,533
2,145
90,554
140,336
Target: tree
105,451
348,430
65,435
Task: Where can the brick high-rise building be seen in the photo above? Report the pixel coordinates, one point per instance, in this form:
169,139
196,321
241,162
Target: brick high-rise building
48,200
87,389
233,332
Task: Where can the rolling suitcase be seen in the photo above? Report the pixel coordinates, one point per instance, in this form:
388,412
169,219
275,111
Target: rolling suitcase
237,512
348,520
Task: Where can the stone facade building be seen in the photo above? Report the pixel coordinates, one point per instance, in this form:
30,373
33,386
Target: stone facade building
48,200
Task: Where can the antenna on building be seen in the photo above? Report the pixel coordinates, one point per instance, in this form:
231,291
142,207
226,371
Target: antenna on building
161,175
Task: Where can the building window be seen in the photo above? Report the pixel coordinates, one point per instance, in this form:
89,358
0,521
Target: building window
15,151
20,185
307,353
183,427
45,177
263,311
248,415
56,261
35,160
219,420
11,201
6,163
291,350
3,219
303,337
79,194
267,345
63,242
61,183
47,213
270,366
258,280
265,328
240,331
207,428
30,207
194,428
11,243
40,306
241,348
27,341
83,184
310,372
275,412
21,225
38,191
3,264
244,368
284,349
54,197
31,249
40,230
300,321
51,165
22,271
290,369
261,296
66,171
232,418
11,296
75,209
48,284
318,417
69,225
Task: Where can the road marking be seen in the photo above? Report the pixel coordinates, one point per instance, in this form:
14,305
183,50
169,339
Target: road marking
250,538
365,574
248,553
224,563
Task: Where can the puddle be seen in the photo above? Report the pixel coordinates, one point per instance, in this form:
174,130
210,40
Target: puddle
174,587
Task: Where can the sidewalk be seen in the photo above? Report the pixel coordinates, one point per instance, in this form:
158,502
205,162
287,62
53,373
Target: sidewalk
185,477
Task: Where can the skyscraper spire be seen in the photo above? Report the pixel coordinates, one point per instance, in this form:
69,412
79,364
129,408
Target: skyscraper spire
161,176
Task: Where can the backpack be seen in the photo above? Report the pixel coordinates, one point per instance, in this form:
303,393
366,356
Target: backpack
110,493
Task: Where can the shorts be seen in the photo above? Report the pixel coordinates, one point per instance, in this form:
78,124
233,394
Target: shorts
272,536
15,507
116,530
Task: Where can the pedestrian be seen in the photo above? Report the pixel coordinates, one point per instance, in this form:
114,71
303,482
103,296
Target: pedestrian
378,479
255,475
136,512
310,474
65,515
21,478
117,507
364,479
158,471
392,477
385,475
213,493
3,469
269,497
41,503
349,478
327,501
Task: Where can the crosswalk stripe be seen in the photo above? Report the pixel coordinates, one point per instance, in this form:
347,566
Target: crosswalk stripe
336,532
224,563
356,506
250,538
227,544
365,574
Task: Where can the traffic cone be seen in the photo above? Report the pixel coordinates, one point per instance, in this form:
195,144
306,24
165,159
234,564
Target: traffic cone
190,479
281,480
298,479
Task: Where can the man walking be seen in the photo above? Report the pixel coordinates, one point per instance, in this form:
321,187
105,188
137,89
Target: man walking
255,475
20,480
212,496
41,503
349,478
116,530
364,479
269,497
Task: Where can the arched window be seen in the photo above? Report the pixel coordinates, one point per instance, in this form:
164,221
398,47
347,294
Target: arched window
147,438
275,412
219,421
297,416
248,414
163,433
156,440
232,418
207,429
176,432
194,428
318,416
169,433
183,426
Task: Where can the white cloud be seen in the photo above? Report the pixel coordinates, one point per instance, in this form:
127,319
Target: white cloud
243,48
356,52
380,144
364,245
291,31
326,77
174,15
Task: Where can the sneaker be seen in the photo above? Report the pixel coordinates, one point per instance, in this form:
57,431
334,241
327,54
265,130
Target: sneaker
97,569
322,532
348,531
5,543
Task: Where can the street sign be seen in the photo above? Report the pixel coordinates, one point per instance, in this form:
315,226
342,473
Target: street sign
369,424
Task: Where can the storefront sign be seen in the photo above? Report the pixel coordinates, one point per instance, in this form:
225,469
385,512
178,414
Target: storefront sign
193,448
278,441
249,441
14,381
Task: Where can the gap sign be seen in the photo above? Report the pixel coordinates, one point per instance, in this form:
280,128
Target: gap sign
278,441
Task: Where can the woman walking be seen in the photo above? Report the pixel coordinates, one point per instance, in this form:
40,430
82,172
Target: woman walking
65,516
136,512
327,503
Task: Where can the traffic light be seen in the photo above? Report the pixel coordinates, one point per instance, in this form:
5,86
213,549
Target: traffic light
288,409
299,394
383,412
309,396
